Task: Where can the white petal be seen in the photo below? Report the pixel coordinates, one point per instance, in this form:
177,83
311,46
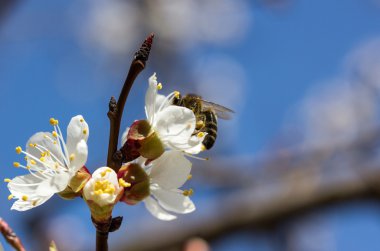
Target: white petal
174,201
150,98
193,145
170,170
106,173
77,130
53,184
21,205
175,124
79,157
45,140
19,185
124,136
157,211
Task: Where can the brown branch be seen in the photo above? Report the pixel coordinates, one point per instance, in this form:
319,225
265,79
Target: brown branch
116,108
10,236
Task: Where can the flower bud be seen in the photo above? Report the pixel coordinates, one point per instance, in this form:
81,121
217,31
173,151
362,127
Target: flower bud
136,183
101,193
142,140
76,184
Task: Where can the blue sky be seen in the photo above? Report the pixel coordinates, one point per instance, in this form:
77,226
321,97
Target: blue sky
45,72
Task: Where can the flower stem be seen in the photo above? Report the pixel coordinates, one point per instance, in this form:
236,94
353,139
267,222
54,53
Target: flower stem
101,241
116,107
10,236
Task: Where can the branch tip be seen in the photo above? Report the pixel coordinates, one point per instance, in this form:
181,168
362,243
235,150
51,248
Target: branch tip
143,53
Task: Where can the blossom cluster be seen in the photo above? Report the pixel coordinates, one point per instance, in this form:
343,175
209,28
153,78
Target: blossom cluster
155,164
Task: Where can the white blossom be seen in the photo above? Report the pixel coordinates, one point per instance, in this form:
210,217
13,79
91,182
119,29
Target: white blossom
175,125
51,163
103,187
167,174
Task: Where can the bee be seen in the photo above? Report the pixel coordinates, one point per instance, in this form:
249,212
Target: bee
206,114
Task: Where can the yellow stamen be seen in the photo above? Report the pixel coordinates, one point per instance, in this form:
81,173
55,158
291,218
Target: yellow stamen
53,121
28,167
203,148
18,149
25,158
54,142
55,134
10,196
123,183
84,131
32,162
16,164
200,135
188,192
105,172
24,198
189,177
7,180
43,154
200,123
42,159
159,86
176,94
72,157
81,120
34,203
32,145
103,186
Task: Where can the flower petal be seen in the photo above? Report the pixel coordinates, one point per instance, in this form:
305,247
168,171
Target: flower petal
77,130
39,142
79,157
150,98
157,211
24,185
21,205
170,170
175,124
193,145
173,200
53,184
124,136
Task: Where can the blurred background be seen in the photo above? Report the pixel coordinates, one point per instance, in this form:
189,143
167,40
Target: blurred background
296,169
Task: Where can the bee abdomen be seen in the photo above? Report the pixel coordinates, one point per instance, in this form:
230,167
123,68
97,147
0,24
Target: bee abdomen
210,128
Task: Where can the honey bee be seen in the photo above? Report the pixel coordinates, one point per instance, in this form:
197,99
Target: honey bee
206,114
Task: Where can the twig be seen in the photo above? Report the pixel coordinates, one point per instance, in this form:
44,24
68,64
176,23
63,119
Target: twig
116,107
10,236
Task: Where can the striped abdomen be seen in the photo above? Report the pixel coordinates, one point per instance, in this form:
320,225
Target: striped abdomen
211,128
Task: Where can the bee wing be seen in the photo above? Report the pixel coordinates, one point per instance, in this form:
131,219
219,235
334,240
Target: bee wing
221,111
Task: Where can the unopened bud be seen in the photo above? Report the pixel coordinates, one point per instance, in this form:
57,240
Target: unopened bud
142,140
138,180
101,193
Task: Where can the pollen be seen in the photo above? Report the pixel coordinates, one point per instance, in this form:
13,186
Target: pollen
53,121
42,159
7,180
200,123
189,177
43,154
34,203
200,135
123,183
55,134
24,198
16,164
54,142
103,186
10,196
159,86
81,120
33,162
105,172
28,167
84,131
18,149
176,94
32,145
72,157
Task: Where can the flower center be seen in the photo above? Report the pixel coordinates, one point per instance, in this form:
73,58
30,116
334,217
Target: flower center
103,186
